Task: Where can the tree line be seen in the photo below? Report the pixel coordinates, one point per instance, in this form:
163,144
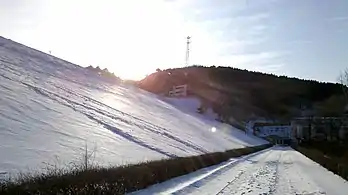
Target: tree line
230,90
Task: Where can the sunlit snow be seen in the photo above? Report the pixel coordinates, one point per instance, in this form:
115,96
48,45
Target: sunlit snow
50,109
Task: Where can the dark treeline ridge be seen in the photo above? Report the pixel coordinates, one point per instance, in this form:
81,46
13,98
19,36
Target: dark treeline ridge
231,90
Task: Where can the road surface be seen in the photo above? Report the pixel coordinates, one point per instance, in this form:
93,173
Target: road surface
279,170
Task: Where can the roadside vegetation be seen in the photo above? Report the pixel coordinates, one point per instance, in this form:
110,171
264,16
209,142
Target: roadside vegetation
88,178
331,155
330,149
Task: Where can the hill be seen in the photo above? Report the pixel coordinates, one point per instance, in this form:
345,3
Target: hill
51,111
243,94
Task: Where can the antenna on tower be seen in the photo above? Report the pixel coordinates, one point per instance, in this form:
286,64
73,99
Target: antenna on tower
187,50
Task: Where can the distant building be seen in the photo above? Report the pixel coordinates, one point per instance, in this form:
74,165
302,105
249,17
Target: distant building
319,128
273,131
282,131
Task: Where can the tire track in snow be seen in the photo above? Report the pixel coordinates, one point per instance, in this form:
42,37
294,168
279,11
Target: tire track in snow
150,126
286,186
134,121
274,184
280,176
260,178
117,131
295,179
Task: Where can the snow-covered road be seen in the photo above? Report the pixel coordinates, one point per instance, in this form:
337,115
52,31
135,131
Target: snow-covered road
279,170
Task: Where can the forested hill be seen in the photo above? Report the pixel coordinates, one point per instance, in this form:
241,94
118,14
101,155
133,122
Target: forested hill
242,93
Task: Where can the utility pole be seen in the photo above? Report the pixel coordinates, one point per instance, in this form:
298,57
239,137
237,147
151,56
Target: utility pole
187,50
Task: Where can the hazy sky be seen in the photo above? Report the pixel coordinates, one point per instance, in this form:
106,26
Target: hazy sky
301,38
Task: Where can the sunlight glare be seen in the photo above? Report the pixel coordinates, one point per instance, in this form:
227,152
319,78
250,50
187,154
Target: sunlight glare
130,38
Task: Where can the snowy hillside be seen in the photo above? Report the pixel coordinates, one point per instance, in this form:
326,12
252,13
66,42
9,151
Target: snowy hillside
49,110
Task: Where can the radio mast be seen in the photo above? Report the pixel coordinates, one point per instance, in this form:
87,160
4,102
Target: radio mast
187,50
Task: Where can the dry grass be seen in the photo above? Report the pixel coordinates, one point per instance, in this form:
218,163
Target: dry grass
87,179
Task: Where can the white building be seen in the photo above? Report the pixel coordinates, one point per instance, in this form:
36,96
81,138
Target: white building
280,131
273,131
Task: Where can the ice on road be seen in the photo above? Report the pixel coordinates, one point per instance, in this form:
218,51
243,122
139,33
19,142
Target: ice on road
279,170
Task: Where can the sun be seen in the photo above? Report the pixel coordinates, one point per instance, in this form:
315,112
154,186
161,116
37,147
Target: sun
129,72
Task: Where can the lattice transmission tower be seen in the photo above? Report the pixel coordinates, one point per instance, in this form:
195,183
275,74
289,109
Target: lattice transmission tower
188,41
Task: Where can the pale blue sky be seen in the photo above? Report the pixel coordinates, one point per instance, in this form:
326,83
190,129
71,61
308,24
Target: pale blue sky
301,38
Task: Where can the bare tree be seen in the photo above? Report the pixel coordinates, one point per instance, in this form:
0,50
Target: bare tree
88,158
343,79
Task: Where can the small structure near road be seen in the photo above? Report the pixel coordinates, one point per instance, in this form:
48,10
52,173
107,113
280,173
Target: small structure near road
178,91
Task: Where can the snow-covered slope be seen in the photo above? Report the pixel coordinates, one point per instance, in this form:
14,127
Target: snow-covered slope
50,109
190,105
